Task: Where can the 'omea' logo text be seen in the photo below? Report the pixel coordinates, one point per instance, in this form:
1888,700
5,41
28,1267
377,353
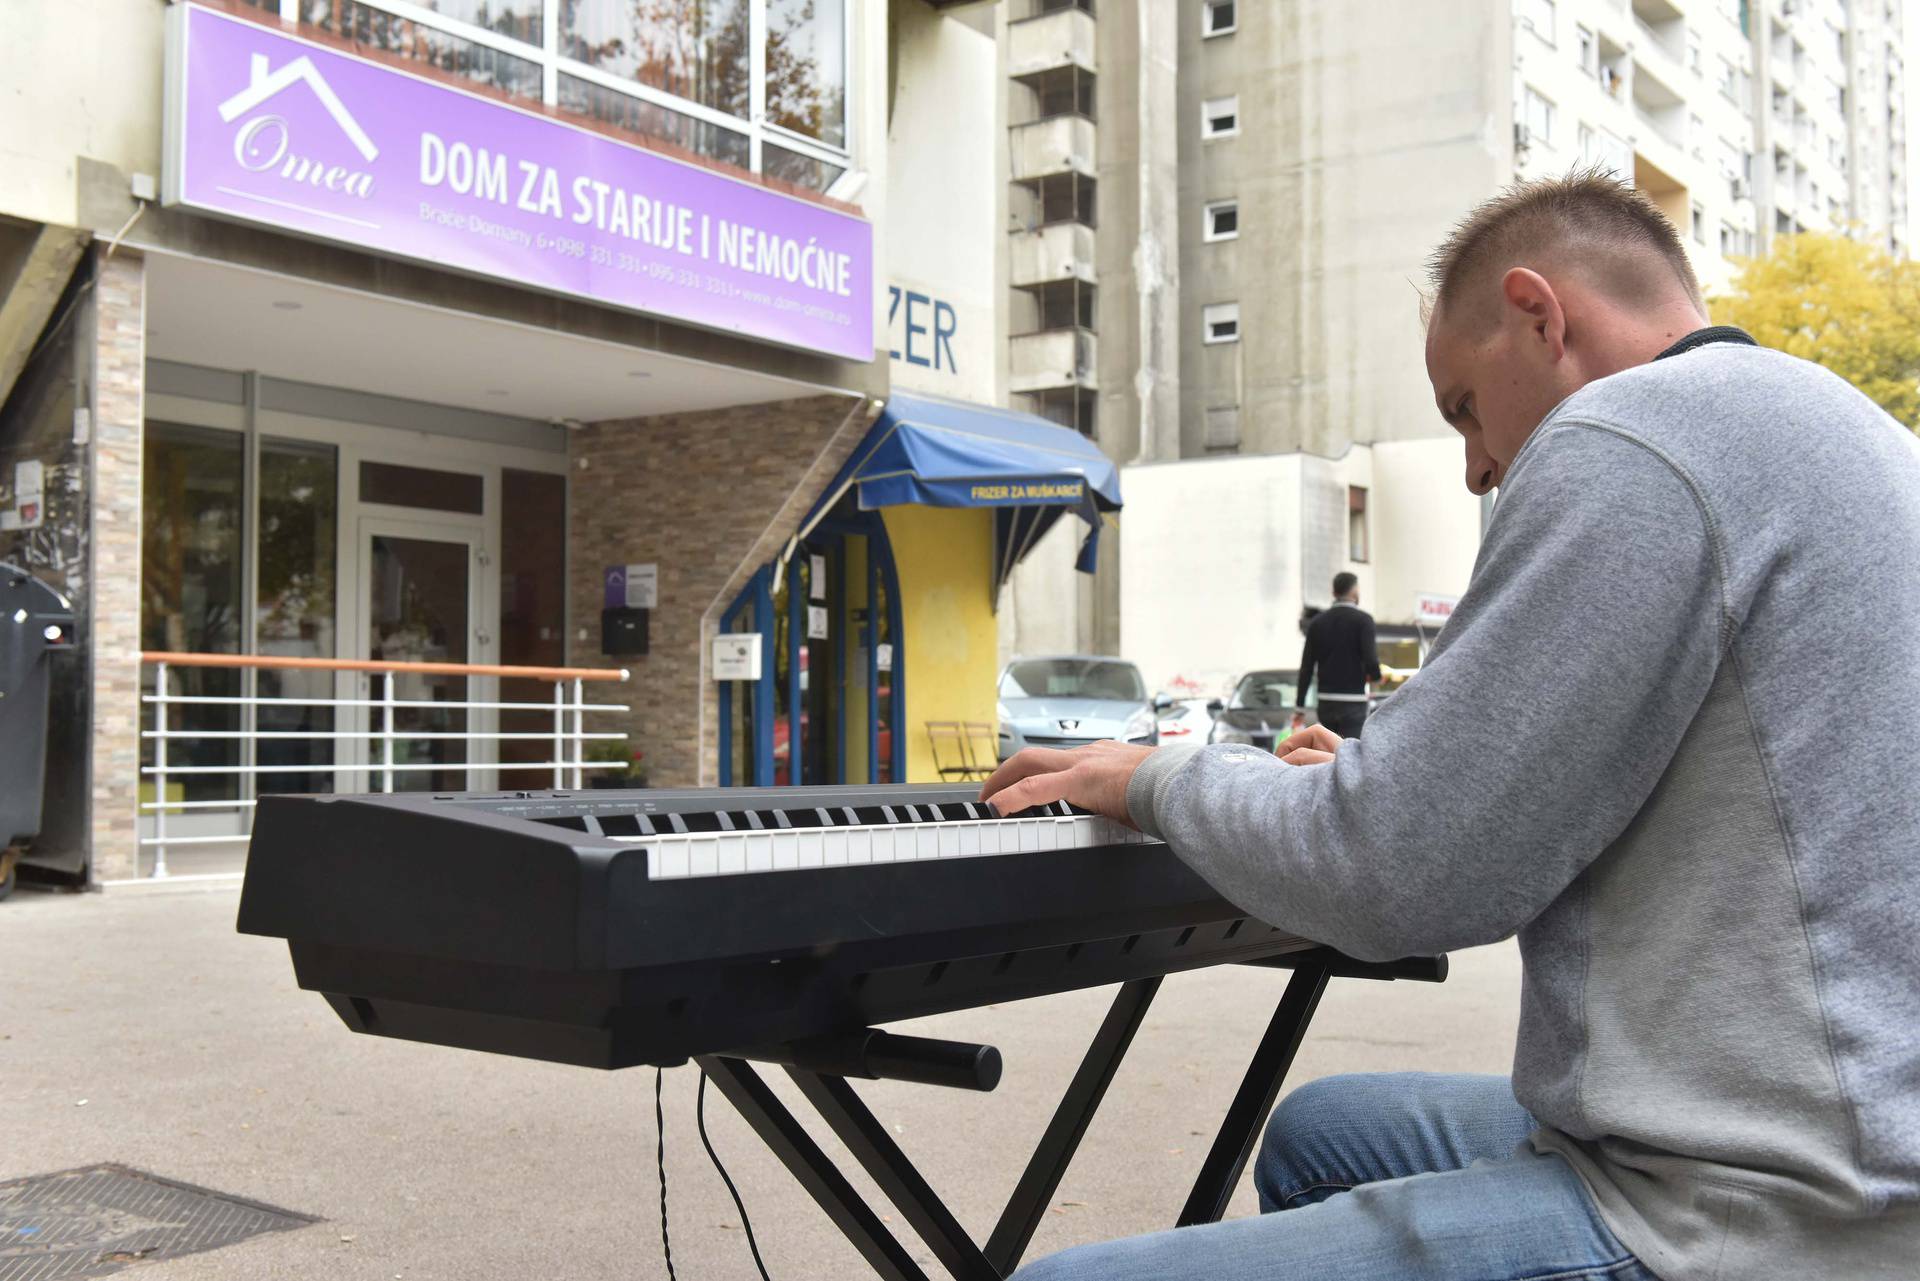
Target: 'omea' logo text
265,142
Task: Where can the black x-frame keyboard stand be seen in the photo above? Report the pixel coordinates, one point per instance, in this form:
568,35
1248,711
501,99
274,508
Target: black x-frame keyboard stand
827,1090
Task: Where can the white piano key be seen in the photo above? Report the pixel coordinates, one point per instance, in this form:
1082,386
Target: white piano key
949,840
670,859
883,844
833,847
859,845
969,837
703,857
759,851
812,848
731,853
926,841
786,850
1028,835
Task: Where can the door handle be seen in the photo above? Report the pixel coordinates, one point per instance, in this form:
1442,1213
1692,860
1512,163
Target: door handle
482,636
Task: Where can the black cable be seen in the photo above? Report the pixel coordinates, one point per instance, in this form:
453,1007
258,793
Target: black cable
660,1159
700,1118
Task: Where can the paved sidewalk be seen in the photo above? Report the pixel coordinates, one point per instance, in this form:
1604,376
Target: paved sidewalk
137,1027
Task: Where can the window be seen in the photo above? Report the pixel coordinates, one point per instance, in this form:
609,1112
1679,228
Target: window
1538,17
1218,17
1220,117
365,25
1220,322
1695,61
1729,78
697,50
807,68
1223,220
1536,113
191,590
687,71
1601,150
1697,137
1356,524
1699,215
1588,49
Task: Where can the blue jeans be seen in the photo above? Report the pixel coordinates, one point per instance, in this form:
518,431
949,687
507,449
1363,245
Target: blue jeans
1403,1177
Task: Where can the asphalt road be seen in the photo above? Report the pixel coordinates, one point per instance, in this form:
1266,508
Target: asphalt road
137,1027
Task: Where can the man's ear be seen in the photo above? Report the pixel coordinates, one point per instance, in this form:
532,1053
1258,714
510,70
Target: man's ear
1527,293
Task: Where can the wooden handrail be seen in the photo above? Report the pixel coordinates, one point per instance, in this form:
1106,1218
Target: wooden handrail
355,665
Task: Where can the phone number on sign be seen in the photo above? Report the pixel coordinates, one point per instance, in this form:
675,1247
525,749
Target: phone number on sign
601,256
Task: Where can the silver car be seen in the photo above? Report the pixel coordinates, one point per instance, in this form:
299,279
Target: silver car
1070,700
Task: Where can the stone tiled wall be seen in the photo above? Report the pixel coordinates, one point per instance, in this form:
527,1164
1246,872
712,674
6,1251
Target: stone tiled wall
119,352
708,497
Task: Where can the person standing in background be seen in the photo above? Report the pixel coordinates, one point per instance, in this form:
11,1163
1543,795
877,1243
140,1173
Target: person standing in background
1340,650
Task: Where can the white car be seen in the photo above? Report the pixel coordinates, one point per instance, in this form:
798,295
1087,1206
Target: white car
1184,720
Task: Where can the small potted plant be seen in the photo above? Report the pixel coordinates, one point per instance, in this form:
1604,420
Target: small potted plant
625,766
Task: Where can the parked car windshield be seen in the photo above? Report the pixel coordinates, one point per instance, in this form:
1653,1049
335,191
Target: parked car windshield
1265,691
1074,678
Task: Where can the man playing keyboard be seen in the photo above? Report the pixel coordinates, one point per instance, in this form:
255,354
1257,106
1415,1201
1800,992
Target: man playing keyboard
1623,750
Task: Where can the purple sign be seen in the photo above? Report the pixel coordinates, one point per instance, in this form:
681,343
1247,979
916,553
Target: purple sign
274,129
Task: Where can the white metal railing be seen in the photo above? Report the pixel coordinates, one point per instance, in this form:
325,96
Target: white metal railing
568,736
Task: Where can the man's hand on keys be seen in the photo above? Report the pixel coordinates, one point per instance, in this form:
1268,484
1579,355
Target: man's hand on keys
1095,777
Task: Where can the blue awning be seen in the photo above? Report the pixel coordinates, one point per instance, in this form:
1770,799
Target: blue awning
947,453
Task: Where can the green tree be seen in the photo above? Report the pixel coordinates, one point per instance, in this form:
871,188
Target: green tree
1848,305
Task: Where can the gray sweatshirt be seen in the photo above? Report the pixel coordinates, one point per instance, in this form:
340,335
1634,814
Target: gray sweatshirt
1671,737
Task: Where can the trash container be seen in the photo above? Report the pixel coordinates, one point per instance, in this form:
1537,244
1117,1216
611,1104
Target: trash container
34,621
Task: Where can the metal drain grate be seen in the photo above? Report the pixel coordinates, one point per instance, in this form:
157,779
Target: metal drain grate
87,1223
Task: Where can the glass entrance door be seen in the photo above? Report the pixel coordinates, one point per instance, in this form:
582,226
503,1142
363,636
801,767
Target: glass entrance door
420,605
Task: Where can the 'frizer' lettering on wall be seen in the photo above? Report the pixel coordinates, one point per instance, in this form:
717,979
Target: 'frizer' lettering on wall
946,323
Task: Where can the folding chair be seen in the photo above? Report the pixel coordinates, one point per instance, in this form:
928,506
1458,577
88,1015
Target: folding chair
951,759
983,748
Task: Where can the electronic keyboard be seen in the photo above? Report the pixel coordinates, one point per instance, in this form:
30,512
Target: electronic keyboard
613,928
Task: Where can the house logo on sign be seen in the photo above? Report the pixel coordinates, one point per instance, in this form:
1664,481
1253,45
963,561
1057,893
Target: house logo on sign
265,143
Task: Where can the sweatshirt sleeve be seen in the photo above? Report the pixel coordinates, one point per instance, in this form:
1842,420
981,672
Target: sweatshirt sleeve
1549,709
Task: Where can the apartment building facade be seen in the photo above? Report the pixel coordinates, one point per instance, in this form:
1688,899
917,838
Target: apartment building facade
1248,193
1744,120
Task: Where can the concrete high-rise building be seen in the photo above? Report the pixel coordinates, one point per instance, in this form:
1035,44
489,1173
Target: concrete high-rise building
1743,120
1221,212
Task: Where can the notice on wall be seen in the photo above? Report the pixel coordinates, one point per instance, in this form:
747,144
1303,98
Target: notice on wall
886,658
816,622
736,656
29,497
631,586
817,577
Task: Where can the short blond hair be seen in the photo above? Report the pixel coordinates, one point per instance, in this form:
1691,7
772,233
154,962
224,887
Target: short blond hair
1589,218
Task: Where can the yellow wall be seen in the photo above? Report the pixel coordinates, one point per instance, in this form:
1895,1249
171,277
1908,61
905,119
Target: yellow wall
944,557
